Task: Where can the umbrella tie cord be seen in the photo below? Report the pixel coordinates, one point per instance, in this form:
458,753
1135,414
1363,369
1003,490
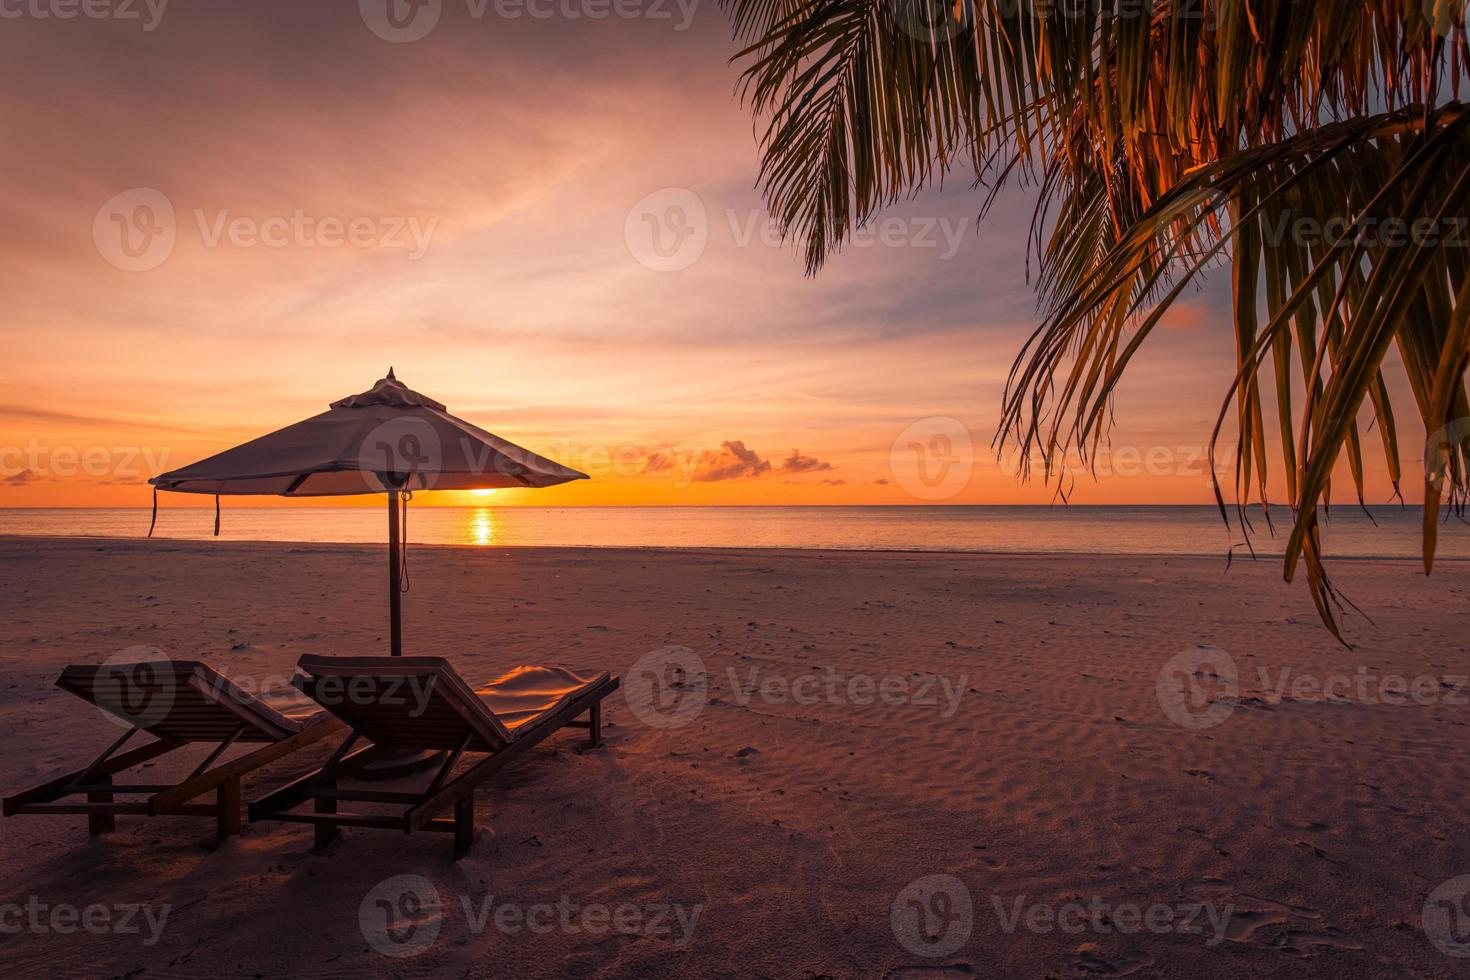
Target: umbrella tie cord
404,498
154,519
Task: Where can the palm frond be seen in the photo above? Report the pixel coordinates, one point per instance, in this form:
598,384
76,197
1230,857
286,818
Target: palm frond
1196,134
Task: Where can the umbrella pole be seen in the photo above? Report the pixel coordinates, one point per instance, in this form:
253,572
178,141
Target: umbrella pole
395,597
397,762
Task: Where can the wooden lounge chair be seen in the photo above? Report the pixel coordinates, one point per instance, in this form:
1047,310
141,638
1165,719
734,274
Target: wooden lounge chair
180,703
421,703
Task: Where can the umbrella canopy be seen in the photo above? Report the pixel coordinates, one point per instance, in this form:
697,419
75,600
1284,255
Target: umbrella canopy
389,439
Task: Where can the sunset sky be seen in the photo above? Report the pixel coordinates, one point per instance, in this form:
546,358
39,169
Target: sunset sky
500,178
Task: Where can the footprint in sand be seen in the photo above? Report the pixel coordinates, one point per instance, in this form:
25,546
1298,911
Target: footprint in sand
1291,929
1308,944
1088,961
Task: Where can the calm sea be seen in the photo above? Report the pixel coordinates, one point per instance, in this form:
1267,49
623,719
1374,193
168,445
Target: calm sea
1092,530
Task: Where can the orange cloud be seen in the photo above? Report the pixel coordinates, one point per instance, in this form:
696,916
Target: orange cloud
732,462
797,463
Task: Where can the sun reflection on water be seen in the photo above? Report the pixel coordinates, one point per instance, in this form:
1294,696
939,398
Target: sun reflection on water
481,528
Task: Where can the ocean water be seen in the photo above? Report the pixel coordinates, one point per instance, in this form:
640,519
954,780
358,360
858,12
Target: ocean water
1090,530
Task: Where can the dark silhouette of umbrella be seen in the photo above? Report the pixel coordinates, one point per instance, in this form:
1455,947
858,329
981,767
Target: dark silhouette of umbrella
388,439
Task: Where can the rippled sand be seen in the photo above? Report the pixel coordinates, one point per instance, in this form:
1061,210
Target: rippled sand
1022,766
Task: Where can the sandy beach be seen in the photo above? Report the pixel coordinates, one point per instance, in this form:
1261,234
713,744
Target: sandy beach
867,721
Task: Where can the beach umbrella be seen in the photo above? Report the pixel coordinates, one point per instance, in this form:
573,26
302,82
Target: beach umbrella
389,440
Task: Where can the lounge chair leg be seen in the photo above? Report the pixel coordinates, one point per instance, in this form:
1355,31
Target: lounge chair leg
464,824
227,805
325,832
594,726
100,823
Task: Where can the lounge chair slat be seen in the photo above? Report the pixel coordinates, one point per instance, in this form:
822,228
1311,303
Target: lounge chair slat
182,700
524,741
372,695
444,713
179,703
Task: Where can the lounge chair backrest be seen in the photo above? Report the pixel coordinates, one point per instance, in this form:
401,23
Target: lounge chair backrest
412,702
177,700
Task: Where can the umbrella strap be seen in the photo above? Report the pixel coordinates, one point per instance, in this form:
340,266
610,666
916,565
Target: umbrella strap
404,497
216,515
154,519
